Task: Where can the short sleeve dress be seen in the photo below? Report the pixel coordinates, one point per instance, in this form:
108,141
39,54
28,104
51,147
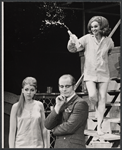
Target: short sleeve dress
29,134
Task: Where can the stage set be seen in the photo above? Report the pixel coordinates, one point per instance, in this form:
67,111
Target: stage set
81,13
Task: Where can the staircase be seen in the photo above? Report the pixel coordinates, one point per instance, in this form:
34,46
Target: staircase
112,113
111,136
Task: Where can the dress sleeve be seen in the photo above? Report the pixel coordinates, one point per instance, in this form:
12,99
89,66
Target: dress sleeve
77,118
82,42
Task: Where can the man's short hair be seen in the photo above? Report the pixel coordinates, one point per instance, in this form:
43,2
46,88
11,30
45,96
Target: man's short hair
69,76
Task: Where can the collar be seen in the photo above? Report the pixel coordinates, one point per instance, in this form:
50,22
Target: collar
103,37
71,96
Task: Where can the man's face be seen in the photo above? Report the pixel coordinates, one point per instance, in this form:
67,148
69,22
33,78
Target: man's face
65,86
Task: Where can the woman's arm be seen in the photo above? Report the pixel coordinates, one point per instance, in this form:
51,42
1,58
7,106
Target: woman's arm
74,44
44,130
13,126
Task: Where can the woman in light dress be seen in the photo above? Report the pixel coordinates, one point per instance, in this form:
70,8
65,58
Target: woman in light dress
97,47
27,119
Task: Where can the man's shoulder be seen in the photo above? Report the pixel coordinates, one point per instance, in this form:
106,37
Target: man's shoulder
80,100
80,104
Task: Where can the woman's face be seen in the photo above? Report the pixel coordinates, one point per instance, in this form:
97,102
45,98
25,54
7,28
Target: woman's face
95,28
28,91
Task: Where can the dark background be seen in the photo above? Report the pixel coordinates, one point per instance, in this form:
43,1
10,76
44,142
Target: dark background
42,53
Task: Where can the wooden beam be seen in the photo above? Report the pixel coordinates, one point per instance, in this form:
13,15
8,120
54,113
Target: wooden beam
115,28
113,92
113,120
71,8
108,137
113,104
106,6
103,13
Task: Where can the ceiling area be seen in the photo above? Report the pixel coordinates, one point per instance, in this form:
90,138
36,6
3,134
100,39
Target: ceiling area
93,7
24,21
36,45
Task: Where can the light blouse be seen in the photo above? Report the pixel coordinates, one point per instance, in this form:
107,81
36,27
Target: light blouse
96,56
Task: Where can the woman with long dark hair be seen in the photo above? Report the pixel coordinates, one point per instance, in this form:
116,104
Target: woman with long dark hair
27,119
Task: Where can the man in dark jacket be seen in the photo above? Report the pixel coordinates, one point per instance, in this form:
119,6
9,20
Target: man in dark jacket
69,117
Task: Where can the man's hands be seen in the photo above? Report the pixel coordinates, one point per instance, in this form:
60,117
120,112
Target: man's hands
60,100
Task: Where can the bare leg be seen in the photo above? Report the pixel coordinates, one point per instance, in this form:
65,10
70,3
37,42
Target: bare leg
101,105
92,92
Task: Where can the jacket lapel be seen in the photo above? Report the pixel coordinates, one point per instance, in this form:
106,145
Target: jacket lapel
72,100
69,108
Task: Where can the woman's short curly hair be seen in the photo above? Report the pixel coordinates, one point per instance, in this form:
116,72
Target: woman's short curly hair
103,22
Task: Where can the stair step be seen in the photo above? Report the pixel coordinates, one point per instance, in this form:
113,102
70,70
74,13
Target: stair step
92,110
106,136
113,92
82,93
113,104
114,120
116,79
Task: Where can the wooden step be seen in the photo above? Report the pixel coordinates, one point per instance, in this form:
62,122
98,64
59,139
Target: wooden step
113,104
113,92
114,120
92,110
117,79
82,93
106,136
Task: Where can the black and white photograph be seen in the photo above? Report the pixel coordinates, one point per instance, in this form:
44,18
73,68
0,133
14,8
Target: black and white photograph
61,81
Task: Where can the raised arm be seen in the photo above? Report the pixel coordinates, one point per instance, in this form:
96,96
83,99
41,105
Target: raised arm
55,117
13,126
74,44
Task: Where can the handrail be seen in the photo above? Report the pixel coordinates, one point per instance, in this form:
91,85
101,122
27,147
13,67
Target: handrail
78,82
114,29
